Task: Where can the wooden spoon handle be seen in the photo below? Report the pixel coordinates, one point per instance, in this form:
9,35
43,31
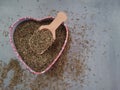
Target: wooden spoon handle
59,19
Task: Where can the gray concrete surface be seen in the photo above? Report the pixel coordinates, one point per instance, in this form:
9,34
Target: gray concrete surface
105,14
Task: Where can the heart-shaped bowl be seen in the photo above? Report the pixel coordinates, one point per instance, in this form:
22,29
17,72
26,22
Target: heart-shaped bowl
11,36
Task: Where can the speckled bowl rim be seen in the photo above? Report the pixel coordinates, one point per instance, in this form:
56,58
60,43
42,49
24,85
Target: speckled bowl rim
12,29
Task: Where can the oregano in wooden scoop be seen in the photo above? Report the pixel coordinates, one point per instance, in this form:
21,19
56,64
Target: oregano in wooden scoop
43,38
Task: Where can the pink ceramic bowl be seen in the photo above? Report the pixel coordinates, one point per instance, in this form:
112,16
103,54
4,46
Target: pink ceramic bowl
12,29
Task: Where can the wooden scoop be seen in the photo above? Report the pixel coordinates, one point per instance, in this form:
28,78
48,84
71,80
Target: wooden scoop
42,45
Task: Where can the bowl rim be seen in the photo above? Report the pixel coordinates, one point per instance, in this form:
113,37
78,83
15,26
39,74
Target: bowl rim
12,29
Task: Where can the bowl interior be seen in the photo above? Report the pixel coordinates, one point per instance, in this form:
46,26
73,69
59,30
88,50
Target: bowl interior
53,57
